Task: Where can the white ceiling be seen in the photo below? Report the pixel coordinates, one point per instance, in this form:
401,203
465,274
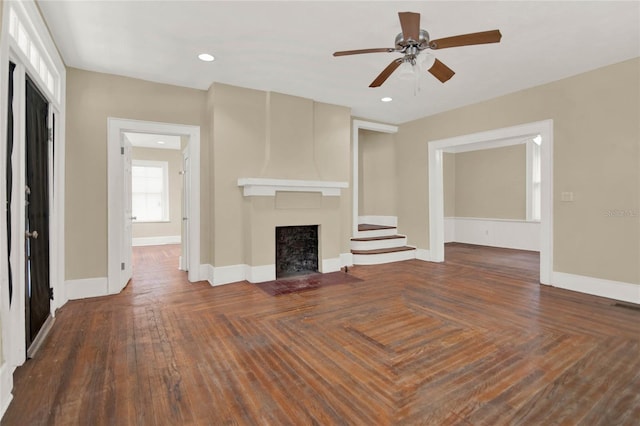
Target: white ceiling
287,46
151,140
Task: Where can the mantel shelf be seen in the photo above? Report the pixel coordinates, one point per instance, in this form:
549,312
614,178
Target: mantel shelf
268,187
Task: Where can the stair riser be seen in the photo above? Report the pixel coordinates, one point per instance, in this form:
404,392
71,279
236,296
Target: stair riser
376,259
377,233
378,244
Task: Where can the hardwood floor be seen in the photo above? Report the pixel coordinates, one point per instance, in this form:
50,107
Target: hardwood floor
473,341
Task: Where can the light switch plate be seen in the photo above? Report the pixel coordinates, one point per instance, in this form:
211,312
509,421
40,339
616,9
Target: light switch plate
566,196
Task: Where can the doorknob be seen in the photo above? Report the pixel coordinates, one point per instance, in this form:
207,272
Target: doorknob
185,218
33,234
134,217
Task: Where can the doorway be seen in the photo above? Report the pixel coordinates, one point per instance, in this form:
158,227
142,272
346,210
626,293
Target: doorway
119,263
155,200
477,140
37,265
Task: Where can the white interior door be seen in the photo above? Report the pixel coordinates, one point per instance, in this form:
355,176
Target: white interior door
186,193
126,265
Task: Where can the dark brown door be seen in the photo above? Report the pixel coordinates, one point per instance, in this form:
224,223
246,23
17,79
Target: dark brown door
37,211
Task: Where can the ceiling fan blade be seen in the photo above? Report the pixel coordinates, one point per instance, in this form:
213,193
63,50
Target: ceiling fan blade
357,52
410,23
484,37
441,71
382,77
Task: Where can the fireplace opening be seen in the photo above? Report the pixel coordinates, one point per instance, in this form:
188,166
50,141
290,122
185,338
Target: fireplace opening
296,250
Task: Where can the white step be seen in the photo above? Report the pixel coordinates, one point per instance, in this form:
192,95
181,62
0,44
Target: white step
379,243
376,259
381,231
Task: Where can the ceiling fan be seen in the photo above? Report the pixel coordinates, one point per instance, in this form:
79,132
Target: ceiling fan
413,40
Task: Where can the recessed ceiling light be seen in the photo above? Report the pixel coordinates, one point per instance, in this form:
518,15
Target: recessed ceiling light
161,142
386,99
206,57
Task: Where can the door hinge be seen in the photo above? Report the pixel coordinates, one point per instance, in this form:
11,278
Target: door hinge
50,133
122,150
122,266
50,293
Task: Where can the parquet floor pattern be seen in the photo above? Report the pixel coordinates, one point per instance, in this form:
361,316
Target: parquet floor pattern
472,341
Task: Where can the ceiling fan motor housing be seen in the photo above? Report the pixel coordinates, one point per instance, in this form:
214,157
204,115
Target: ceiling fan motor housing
421,44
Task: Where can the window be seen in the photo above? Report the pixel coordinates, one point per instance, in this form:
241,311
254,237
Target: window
534,180
150,191
35,54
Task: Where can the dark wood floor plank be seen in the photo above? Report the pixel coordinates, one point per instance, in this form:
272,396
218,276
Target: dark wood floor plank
475,340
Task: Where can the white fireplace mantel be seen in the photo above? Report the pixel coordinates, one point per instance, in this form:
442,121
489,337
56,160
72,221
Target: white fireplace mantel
269,187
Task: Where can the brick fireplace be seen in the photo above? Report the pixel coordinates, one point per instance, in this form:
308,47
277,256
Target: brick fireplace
296,250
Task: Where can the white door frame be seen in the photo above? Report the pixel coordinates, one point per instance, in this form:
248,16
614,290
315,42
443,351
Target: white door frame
436,191
184,210
356,126
12,317
116,126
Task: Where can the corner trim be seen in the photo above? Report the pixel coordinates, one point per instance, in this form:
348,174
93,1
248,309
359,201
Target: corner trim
6,386
260,274
86,287
205,271
331,265
617,290
346,259
228,274
423,254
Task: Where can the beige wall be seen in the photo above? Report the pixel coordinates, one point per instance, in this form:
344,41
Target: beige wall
173,227
449,183
491,183
91,99
377,174
596,156
261,134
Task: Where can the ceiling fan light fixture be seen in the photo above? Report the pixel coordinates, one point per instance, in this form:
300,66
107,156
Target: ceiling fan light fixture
426,61
407,71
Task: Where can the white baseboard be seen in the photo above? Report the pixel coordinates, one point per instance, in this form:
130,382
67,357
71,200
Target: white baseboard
156,241
87,287
346,259
617,290
449,229
423,254
379,220
260,274
228,274
6,386
205,272
330,265
257,274
513,234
